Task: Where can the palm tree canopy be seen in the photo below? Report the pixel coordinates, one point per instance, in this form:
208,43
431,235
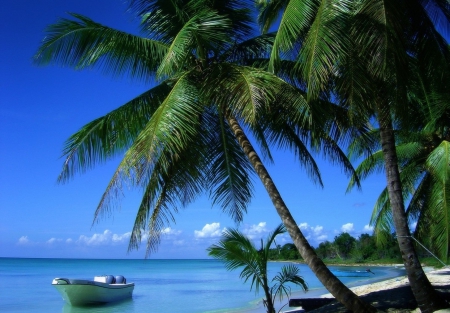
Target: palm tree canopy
423,159
174,139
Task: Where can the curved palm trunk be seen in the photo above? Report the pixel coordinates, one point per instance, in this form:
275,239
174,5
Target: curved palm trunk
427,298
331,282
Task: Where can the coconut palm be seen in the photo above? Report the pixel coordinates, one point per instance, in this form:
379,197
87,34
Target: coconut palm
359,52
190,133
238,251
425,182
423,151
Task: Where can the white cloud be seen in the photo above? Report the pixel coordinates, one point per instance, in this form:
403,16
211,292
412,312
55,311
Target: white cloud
209,231
170,231
95,239
255,231
24,240
314,235
105,238
347,228
368,229
69,240
121,238
53,240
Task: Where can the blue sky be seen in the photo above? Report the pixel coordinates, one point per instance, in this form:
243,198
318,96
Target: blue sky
40,107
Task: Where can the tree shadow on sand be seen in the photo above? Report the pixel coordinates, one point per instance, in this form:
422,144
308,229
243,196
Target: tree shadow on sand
398,300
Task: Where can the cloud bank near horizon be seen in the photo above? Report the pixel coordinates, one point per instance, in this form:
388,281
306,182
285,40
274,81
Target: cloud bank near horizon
206,235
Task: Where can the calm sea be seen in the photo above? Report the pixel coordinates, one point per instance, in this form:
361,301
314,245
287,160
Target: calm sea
163,286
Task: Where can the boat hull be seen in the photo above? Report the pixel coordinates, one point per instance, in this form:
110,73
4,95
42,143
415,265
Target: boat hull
86,292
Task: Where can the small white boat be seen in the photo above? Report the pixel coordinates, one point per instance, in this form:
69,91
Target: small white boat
102,289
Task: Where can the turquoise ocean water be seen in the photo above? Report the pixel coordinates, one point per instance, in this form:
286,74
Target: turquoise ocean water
163,286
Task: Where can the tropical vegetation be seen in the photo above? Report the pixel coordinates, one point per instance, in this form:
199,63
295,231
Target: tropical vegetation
238,252
345,248
367,55
364,249
424,156
190,132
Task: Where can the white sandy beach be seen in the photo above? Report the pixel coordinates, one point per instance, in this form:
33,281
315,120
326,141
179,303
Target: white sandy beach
397,288
437,278
391,295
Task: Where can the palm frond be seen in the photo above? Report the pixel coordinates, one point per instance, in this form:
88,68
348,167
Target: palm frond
362,147
381,219
166,190
229,170
239,12
325,43
83,43
111,134
269,12
171,128
250,51
379,28
294,22
236,251
429,27
296,140
249,92
289,274
438,165
370,165
206,29
161,19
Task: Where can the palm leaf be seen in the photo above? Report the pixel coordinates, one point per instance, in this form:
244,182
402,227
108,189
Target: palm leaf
227,176
295,20
379,28
111,134
205,29
171,128
166,190
83,43
325,41
250,51
161,19
438,165
289,274
239,12
236,251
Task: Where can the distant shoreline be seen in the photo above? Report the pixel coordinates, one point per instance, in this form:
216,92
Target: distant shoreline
397,265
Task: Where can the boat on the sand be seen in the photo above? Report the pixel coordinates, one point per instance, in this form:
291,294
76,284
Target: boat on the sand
102,289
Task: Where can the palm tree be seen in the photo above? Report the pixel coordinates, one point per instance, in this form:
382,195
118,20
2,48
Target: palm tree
423,151
359,52
238,251
184,135
423,162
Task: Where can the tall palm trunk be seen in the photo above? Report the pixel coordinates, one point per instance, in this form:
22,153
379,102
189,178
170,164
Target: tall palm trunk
427,298
331,282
